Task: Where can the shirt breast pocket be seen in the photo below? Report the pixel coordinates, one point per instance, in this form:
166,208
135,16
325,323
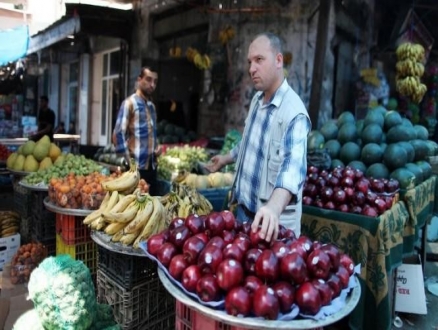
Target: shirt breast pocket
275,160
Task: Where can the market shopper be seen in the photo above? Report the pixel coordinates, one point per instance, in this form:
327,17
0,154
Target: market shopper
271,157
46,120
135,133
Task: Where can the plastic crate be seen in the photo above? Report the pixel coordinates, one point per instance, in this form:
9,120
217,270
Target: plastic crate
145,306
22,200
126,270
26,229
216,197
72,229
43,221
188,319
85,252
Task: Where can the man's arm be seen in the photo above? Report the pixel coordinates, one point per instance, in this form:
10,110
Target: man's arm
120,129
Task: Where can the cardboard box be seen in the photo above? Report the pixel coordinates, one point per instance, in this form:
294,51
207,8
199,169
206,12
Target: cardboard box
410,296
8,247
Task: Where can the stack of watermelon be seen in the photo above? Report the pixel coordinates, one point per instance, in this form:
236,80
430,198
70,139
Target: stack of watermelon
382,145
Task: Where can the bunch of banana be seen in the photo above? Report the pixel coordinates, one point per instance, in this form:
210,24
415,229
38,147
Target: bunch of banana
226,34
9,223
190,54
183,200
202,62
409,70
126,183
410,51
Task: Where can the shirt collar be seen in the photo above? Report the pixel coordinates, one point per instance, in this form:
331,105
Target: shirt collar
277,97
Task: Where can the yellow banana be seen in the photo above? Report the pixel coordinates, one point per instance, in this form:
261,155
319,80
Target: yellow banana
112,201
97,223
126,216
123,203
114,227
156,217
126,181
117,236
128,239
97,213
9,230
141,218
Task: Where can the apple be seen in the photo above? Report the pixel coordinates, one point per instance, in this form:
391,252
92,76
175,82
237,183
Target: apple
209,259
238,226
320,182
344,276
232,251
214,224
362,185
312,169
377,185
356,209
348,263
166,233
307,200
242,241
207,288
266,303
252,283
370,197
340,196
348,172
325,292
281,231
165,253
330,205
359,198
249,260
323,173
337,171
203,237
229,274
238,302
228,236
289,233
333,181
286,295
349,194
334,255
313,177
335,284
369,211
316,245
267,267
280,249
358,174
297,247
311,190
216,241
229,219
343,208
191,249
293,268
326,194
179,235
380,205
318,264
308,299
306,243
318,203
389,200
347,182
190,277
392,185
257,241
194,223
177,265
176,222
154,243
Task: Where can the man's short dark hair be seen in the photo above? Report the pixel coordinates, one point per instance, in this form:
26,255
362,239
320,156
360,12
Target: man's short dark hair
143,69
44,98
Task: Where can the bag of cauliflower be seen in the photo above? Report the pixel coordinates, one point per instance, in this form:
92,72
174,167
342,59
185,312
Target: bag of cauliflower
63,294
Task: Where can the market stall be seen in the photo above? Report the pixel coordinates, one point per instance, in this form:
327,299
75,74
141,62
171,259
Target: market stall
375,243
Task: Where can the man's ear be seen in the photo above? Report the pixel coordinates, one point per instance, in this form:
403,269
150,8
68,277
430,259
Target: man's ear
279,61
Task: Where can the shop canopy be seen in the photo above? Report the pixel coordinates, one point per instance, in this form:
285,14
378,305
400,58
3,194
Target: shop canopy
13,44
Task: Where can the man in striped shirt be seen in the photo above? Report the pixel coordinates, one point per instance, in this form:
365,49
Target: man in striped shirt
135,133
271,157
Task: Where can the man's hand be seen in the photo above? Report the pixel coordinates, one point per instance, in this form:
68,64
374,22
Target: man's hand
217,162
269,220
158,150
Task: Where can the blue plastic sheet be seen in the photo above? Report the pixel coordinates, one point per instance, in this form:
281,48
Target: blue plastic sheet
13,44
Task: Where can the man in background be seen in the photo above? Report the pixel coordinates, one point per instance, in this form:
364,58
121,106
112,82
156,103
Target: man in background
135,132
46,120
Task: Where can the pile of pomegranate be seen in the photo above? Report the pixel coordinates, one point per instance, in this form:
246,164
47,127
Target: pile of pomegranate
347,190
219,259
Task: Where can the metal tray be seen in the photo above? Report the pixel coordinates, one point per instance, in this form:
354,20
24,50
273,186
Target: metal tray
104,240
56,209
256,323
34,187
18,173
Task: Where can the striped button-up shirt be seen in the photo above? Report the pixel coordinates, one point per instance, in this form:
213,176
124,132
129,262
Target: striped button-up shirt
292,171
135,130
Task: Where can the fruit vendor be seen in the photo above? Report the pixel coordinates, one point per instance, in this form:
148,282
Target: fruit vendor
46,120
271,157
135,132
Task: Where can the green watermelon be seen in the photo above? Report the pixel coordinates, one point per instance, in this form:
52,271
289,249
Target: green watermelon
377,171
357,164
395,156
315,140
345,117
417,171
371,133
349,151
333,148
392,119
374,116
371,153
421,132
347,133
405,178
329,130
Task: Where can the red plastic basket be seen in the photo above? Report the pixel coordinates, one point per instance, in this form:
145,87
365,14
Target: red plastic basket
71,229
188,319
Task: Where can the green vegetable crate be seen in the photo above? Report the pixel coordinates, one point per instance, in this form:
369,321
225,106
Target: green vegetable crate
85,252
145,306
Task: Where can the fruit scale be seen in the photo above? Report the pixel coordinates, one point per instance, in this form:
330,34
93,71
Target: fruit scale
257,323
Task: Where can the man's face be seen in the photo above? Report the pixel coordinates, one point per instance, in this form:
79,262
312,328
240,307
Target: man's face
43,104
148,82
263,63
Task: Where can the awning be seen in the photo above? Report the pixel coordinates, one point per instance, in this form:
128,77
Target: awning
13,44
54,34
